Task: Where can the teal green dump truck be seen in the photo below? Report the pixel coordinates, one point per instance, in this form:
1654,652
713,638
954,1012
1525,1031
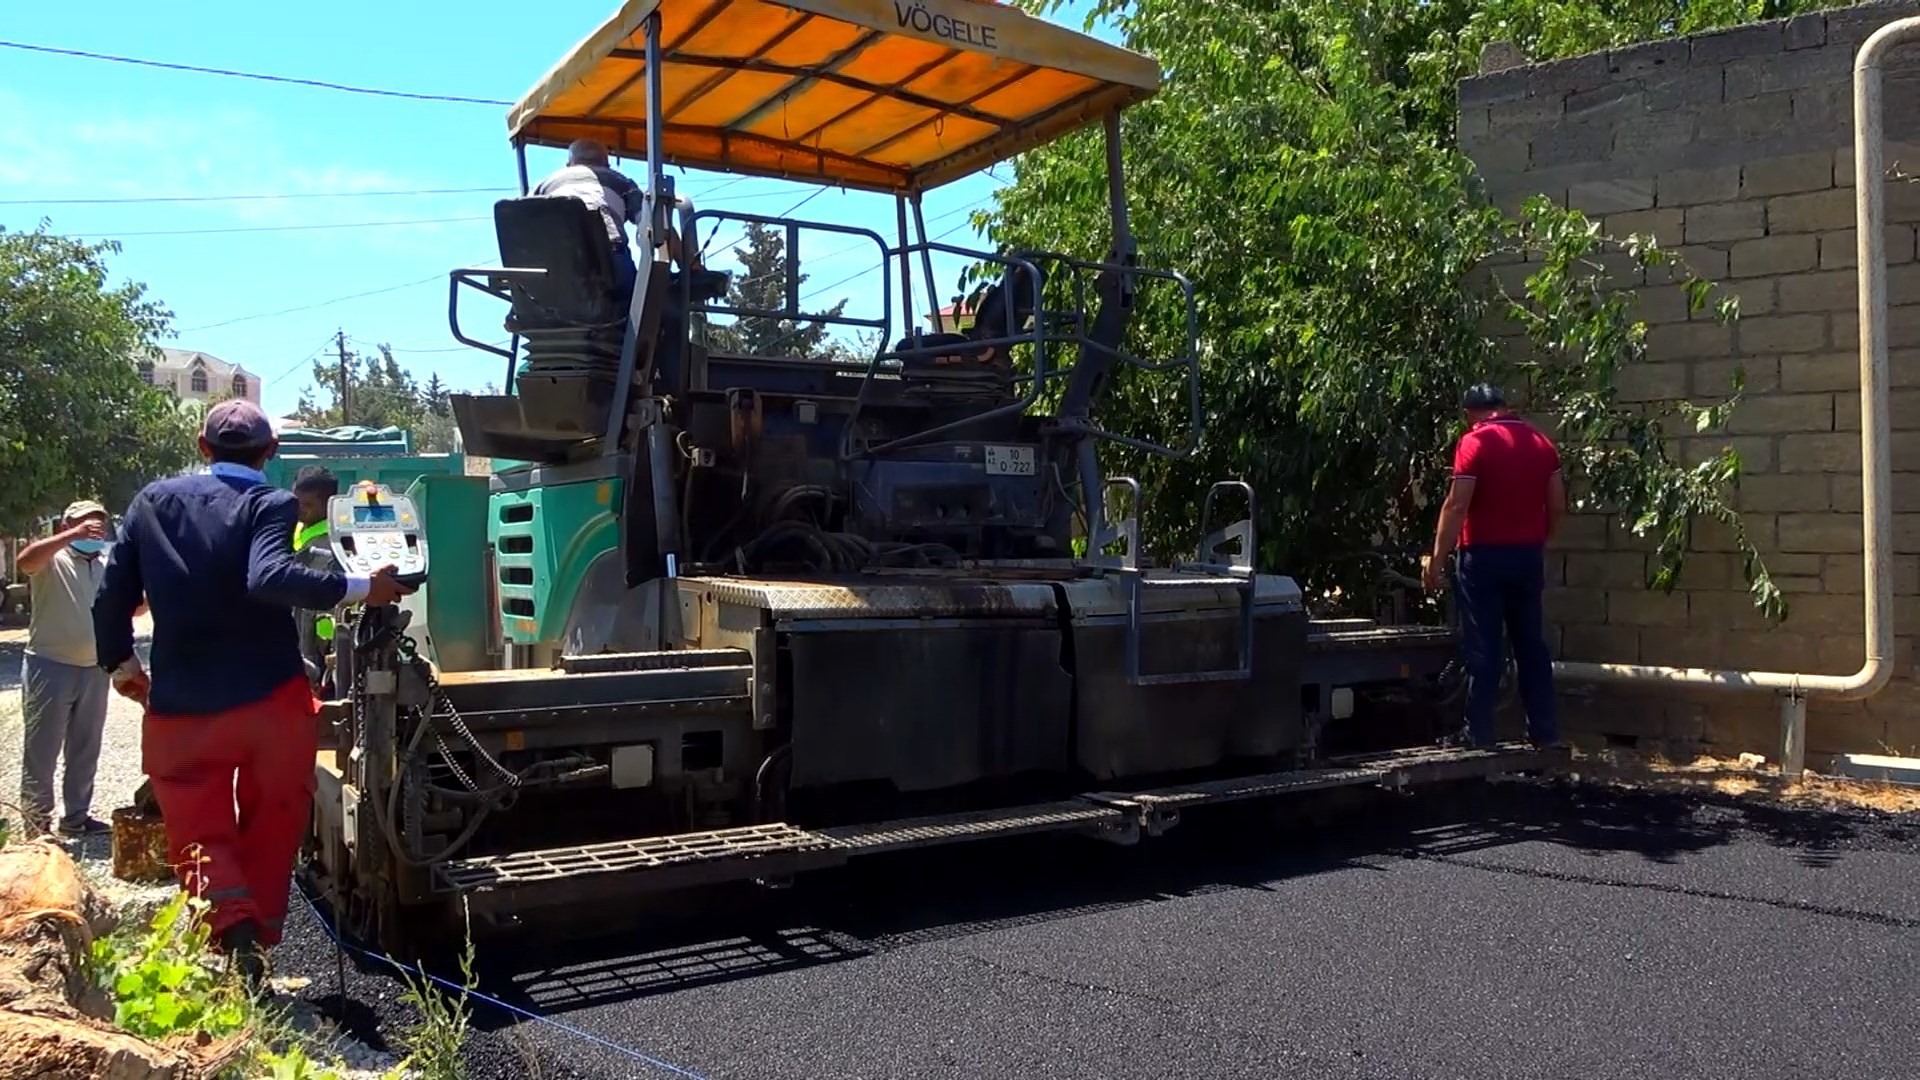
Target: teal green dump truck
383,455
452,613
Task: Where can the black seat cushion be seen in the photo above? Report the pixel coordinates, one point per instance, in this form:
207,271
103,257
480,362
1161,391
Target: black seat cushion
934,345
568,239
1011,296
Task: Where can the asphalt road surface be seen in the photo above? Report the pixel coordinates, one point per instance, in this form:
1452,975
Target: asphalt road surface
1518,930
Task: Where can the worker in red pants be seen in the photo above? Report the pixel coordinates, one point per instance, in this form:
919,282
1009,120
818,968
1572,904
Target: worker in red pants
230,714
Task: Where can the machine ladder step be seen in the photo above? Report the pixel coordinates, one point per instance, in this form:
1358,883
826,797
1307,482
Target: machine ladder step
705,857
1427,765
1069,814
775,851
1207,572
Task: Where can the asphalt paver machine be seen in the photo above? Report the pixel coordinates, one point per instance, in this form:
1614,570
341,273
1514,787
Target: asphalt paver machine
756,615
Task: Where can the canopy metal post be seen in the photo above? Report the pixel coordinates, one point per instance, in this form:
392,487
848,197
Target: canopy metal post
631,345
906,269
1117,189
513,343
926,262
659,185
1089,372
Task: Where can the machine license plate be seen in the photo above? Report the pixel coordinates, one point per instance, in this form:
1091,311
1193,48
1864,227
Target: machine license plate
1009,461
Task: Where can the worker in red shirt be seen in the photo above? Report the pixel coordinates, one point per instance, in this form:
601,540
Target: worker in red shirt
1506,501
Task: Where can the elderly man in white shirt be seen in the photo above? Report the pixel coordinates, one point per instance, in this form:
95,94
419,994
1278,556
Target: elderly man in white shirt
587,176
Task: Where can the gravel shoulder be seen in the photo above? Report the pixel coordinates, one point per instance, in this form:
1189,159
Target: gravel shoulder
114,784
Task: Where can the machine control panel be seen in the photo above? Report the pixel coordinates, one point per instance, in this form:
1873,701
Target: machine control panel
371,527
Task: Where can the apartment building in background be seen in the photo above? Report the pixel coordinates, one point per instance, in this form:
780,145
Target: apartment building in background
198,376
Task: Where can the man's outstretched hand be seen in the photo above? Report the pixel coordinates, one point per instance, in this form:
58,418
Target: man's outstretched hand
130,681
1434,575
384,587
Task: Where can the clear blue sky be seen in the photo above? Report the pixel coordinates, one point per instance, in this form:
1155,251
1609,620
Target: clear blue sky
79,128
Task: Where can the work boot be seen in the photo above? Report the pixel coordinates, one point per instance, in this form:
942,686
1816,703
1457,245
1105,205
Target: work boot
84,828
241,943
1463,740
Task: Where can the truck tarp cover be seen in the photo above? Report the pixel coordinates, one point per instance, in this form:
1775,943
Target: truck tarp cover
338,435
886,95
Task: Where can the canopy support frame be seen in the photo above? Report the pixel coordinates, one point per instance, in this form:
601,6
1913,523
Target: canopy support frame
926,264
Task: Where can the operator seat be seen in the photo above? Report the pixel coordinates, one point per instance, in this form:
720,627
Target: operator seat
570,319
952,368
570,322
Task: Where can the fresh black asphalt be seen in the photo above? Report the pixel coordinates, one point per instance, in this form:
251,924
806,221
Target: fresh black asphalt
1512,930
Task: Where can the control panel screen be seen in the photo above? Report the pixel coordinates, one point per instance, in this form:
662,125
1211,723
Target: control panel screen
373,515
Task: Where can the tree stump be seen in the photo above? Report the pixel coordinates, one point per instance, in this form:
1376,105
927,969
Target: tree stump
52,1021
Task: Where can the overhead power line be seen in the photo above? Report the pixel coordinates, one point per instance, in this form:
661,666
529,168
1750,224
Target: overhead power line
252,198
290,195
228,73
405,350
292,228
317,305
298,364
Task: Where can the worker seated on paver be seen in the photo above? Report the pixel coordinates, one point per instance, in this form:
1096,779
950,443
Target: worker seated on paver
314,487
587,176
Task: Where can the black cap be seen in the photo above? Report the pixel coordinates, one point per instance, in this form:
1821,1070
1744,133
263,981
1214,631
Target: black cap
1481,396
317,479
236,424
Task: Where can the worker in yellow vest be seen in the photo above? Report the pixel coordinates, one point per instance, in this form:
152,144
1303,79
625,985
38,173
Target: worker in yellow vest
314,487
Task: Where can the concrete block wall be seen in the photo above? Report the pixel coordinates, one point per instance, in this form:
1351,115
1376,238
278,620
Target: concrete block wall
1736,149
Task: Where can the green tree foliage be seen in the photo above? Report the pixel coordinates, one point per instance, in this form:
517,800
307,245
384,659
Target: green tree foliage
761,284
1299,166
380,393
75,419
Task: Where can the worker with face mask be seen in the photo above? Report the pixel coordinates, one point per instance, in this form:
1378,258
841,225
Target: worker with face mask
64,692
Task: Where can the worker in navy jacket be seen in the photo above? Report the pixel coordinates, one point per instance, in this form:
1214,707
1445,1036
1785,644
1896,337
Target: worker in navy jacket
228,698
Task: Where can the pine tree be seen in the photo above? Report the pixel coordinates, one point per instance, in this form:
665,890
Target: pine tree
433,396
762,284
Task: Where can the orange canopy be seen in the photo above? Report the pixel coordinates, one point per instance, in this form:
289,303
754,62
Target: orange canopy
886,95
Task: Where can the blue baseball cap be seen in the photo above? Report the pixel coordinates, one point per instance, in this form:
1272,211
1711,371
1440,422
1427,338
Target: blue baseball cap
238,425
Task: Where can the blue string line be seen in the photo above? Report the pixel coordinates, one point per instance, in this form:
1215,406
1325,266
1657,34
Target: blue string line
495,1002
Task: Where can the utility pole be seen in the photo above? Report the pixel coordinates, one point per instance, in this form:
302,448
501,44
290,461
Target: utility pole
340,342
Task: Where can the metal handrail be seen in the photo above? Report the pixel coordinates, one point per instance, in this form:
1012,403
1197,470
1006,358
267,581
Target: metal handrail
1189,359
495,281
1041,336
1036,338
793,227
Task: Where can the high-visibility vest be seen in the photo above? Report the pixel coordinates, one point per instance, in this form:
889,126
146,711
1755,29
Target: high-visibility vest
309,534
